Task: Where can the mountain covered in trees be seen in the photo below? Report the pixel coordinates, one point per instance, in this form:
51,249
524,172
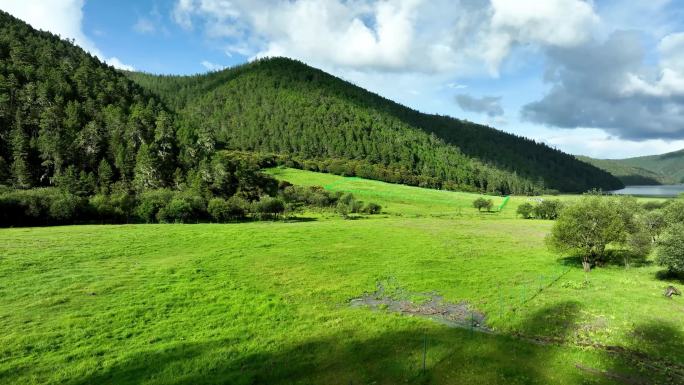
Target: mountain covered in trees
324,123
75,130
645,170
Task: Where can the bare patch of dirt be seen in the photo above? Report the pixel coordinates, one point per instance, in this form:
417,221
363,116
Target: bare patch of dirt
460,315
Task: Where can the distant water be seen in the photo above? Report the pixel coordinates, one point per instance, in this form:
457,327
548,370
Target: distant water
652,191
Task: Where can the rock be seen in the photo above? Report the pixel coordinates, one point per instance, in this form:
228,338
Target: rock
671,290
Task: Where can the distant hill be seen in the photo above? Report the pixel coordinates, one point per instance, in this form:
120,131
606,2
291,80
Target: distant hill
284,106
671,164
644,170
629,175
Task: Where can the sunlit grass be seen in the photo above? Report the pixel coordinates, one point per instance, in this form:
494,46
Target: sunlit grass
267,302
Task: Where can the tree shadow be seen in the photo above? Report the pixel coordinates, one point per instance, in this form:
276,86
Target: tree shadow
655,347
453,355
670,276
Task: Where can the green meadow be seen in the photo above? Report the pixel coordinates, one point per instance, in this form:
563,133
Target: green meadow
269,302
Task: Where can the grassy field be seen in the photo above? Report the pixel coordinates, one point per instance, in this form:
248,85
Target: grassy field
268,302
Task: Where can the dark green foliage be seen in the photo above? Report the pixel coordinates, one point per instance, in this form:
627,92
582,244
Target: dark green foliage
670,250
268,207
43,206
283,106
177,210
525,210
655,222
548,209
588,226
62,108
482,203
150,202
372,208
674,211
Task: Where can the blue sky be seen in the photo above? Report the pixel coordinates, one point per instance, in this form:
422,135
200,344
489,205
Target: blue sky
599,78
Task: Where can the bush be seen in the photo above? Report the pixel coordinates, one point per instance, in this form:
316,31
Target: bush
525,210
177,210
40,206
670,249
151,202
548,209
269,207
218,209
588,226
482,203
65,208
372,208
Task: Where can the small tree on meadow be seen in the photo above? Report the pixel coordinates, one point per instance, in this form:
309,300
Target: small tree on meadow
482,203
588,226
525,210
670,249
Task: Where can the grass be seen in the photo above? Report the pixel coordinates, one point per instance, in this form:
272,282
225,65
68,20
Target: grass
267,302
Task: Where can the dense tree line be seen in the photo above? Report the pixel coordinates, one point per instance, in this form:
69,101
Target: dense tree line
80,142
283,106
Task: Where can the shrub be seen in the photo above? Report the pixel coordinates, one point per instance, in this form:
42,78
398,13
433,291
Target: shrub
151,202
372,208
525,210
548,209
177,210
588,226
269,207
218,209
482,203
670,249
65,208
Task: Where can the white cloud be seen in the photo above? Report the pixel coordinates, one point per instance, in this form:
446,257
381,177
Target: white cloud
61,17
212,66
435,36
144,26
116,63
595,143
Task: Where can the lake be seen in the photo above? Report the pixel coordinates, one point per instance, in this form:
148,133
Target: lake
652,191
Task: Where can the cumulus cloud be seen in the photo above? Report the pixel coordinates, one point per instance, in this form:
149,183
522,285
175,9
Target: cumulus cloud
609,85
403,35
490,105
61,17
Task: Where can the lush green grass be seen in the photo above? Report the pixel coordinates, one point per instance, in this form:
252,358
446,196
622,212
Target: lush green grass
267,302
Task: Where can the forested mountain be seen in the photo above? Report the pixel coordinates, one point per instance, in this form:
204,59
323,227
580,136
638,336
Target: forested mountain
65,113
645,170
284,106
628,174
71,121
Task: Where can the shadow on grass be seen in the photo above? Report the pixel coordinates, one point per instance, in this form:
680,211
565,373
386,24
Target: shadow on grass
669,276
620,258
452,356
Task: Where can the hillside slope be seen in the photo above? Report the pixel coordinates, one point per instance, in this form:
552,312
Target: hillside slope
670,164
284,106
644,170
629,174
